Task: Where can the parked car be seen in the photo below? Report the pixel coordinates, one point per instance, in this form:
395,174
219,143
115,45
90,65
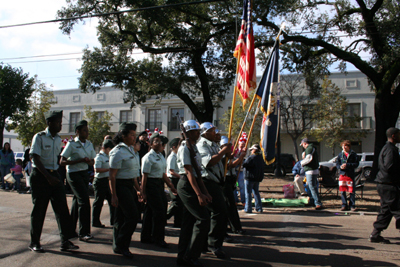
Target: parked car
287,162
19,155
365,159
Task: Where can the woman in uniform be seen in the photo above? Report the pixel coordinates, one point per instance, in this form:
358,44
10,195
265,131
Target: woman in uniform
77,156
124,169
153,178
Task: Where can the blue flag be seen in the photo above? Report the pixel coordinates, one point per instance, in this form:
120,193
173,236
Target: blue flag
269,92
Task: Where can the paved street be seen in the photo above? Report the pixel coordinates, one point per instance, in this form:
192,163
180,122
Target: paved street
278,237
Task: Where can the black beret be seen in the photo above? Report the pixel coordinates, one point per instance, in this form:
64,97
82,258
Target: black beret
53,114
108,144
154,135
143,133
80,124
164,139
174,142
127,126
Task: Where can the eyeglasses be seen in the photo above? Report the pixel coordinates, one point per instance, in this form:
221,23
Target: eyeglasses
157,143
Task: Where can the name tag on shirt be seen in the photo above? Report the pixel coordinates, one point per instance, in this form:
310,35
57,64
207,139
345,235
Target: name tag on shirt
79,147
131,157
107,160
47,146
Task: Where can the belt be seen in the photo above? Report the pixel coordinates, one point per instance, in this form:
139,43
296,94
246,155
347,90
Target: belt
51,170
385,183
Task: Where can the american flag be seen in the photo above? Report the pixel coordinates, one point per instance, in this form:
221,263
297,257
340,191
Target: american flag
244,52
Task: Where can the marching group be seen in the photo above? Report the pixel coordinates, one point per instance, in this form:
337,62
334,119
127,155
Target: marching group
130,173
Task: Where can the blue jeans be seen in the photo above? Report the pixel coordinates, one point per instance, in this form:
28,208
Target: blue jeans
17,185
312,182
352,199
250,187
4,169
241,187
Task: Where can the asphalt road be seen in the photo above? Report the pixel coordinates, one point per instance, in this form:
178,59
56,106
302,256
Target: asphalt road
278,237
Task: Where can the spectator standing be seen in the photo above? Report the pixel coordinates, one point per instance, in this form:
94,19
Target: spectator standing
346,163
311,165
388,182
17,174
100,184
240,177
7,161
254,174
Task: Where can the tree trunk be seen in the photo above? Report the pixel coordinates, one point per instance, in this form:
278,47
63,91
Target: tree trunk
1,135
386,115
296,148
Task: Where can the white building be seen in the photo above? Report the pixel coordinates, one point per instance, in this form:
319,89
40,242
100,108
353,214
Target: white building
161,113
15,144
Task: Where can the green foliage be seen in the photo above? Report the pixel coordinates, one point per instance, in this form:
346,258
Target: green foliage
15,90
189,47
99,126
239,116
331,118
26,124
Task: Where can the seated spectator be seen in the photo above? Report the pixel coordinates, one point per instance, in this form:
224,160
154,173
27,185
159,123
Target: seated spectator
17,174
299,175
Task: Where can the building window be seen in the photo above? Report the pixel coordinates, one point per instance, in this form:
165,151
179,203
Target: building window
125,116
74,117
351,84
101,97
154,119
174,121
76,98
354,110
100,114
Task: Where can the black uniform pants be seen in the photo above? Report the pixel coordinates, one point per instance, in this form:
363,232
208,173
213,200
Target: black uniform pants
219,214
155,211
126,214
233,215
195,222
42,193
390,206
101,192
79,182
176,207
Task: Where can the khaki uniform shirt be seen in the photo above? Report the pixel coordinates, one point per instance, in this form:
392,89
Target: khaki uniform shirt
47,147
171,164
207,149
154,164
102,161
75,150
125,160
183,158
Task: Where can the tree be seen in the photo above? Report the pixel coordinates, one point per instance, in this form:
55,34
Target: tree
239,116
331,117
15,90
99,125
296,108
26,124
314,40
190,46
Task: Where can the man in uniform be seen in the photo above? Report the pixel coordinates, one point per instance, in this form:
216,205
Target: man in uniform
388,182
176,207
194,196
213,177
144,145
46,184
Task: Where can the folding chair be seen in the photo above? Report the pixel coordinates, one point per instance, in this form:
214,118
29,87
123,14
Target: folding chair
328,181
359,183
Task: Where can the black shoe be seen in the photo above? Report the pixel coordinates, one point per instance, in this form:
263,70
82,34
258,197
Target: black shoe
98,225
188,262
68,245
85,238
219,253
161,244
378,239
124,252
240,232
36,248
146,241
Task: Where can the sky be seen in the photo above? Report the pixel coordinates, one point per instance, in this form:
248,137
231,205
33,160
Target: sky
44,40
42,49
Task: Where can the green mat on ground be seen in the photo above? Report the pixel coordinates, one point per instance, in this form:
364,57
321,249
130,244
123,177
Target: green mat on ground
285,202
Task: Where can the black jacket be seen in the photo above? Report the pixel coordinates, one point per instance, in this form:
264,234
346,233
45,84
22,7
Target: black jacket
389,165
254,168
351,163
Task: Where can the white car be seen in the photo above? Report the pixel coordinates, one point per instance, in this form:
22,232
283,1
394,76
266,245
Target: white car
366,160
19,155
